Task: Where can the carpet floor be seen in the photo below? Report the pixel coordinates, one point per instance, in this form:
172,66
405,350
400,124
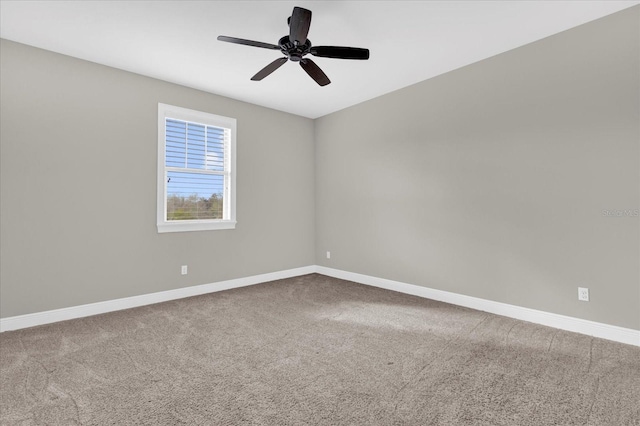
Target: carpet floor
313,350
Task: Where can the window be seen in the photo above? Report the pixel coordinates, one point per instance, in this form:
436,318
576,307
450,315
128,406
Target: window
196,170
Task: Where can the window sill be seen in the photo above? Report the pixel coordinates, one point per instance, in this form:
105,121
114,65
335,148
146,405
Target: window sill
194,225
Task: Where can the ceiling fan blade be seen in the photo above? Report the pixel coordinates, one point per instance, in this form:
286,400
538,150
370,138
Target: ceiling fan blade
340,52
315,72
299,25
269,69
248,42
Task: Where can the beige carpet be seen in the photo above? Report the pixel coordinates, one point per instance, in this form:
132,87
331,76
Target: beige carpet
313,350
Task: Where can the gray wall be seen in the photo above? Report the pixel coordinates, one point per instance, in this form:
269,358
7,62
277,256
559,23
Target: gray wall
78,187
490,180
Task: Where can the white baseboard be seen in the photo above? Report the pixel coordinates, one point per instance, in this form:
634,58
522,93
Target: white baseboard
47,317
591,328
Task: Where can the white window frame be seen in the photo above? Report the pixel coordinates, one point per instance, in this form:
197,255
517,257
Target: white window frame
229,214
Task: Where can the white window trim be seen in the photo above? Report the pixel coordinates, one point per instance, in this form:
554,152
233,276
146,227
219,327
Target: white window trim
169,111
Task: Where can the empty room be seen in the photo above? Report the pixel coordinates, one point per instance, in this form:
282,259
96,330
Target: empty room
320,213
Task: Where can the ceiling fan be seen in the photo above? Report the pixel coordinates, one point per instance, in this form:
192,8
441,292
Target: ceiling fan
295,46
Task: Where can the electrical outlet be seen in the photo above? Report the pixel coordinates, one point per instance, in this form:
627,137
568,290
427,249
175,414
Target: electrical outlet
328,255
184,270
583,294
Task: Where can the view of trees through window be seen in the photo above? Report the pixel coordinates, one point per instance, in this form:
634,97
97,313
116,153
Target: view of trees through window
194,207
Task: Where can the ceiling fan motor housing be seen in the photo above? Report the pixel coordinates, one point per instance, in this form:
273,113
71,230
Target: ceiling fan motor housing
293,52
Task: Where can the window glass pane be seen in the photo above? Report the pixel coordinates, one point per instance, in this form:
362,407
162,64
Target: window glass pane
194,196
215,148
175,140
194,146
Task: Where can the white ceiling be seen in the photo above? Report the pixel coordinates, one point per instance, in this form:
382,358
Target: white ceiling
410,41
